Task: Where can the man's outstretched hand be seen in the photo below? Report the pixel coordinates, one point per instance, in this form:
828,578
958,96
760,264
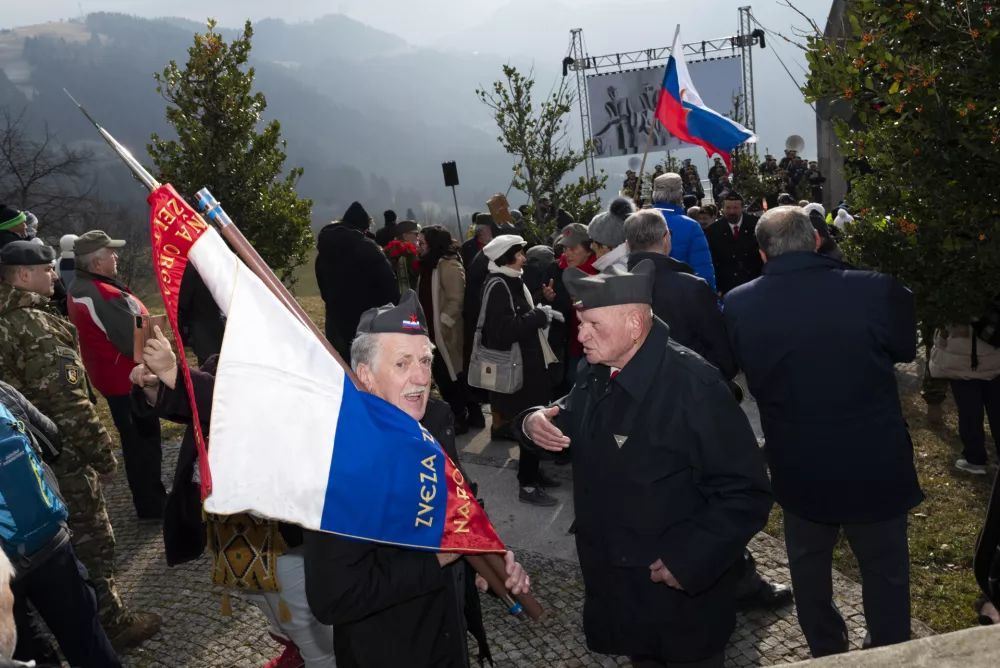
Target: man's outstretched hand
539,428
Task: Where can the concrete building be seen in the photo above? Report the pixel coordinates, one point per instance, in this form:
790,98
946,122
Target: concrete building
831,162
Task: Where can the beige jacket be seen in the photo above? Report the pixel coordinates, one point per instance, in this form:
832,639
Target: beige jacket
448,293
951,356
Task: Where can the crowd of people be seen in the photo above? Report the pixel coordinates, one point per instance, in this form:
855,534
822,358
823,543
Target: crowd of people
612,346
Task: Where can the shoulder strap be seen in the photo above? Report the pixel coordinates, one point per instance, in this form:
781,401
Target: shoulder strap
42,444
486,297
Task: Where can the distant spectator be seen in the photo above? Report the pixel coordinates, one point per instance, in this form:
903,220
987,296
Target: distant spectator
707,216
577,251
13,225
386,233
733,242
814,177
353,276
482,235
843,218
689,243
784,199
66,264
972,367
827,244
441,291
104,311
537,260
607,232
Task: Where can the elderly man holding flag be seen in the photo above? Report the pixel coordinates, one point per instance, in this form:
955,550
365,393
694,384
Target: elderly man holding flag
392,606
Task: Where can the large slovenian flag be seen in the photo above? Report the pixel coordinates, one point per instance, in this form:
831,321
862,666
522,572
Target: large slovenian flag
291,438
685,116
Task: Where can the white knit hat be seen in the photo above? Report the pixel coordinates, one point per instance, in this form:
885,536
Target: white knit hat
66,242
501,245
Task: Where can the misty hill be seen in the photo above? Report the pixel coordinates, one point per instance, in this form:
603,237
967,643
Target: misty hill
356,137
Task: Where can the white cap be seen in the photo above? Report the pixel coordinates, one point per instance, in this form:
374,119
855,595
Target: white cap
66,242
501,245
815,207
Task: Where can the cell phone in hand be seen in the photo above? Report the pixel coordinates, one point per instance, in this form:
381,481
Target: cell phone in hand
144,325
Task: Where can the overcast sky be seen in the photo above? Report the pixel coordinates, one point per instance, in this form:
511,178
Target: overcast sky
780,107
418,21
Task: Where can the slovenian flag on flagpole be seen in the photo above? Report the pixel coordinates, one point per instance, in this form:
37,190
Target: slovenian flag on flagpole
291,438
685,116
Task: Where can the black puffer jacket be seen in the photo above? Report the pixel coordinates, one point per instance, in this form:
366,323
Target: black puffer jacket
354,276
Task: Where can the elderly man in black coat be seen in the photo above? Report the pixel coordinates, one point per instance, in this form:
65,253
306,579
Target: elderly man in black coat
668,482
690,308
733,245
353,276
837,444
391,606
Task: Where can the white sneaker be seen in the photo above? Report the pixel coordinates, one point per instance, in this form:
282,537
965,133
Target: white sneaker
974,469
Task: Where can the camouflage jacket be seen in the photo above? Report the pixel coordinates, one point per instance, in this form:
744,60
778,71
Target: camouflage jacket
40,357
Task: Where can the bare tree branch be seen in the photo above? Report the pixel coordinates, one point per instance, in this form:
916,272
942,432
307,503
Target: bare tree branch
40,174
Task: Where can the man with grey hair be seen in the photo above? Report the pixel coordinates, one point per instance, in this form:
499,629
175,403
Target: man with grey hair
669,484
104,311
391,606
687,238
685,302
837,443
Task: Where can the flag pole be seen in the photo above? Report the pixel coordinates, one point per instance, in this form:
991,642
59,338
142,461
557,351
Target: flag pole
490,566
642,167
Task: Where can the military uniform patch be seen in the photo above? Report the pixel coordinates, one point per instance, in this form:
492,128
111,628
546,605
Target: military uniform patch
72,374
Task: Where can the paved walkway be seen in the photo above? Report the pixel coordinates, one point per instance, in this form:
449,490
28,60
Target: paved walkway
195,634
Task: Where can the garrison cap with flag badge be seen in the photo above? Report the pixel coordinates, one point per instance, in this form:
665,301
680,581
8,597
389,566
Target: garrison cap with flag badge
407,318
618,286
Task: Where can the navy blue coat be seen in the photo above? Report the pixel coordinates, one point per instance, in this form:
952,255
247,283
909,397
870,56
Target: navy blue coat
818,340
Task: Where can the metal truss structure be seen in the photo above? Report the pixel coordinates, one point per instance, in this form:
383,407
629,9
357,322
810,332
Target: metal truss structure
579,62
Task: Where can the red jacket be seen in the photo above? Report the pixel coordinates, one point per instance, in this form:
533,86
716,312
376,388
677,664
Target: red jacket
104,311
575,347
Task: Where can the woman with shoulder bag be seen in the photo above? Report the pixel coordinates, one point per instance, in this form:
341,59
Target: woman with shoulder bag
511,322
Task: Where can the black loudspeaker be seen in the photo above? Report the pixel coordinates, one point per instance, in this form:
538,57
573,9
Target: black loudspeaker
450,173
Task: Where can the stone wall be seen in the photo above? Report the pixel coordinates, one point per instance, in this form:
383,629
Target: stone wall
971,648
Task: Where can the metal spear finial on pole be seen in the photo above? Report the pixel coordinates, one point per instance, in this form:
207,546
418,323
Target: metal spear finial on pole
138,171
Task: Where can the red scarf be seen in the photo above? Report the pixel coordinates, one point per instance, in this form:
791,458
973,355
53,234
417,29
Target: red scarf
575,347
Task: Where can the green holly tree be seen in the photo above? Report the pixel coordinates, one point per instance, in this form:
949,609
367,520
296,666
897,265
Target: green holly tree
537,137
920,83
216,114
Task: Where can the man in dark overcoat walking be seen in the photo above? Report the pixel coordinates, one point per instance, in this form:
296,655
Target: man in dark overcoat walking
837,443
669,484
